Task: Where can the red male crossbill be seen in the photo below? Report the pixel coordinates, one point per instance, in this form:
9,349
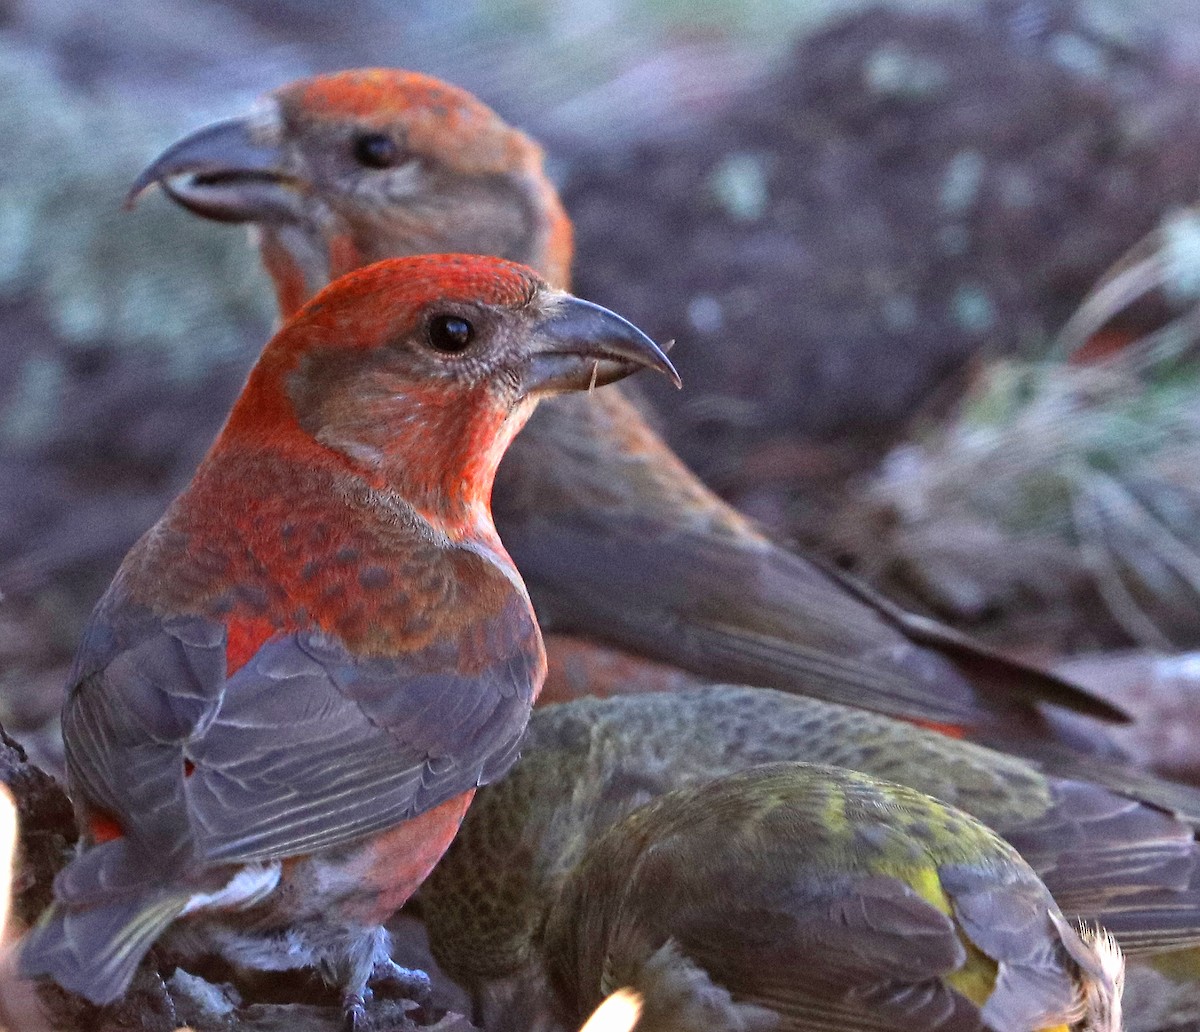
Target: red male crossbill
286,699
616,539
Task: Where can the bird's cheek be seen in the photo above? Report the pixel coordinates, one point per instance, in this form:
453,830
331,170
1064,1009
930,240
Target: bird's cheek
403,183
520,412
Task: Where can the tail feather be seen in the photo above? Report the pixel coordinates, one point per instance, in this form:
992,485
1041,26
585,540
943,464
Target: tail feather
1103,996
1103,966
94,951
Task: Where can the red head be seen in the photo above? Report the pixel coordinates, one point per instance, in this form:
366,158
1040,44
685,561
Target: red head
416,373
344,169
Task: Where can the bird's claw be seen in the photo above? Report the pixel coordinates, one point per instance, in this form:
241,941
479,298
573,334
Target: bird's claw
412,982
354,1012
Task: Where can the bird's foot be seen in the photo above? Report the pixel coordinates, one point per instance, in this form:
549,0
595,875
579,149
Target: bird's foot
412,982
354,1011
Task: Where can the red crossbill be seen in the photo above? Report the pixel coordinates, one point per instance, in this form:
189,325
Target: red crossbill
1105,857
616,539
286,699
817,896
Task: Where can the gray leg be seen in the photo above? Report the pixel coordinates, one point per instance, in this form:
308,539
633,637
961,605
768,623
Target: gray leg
360,959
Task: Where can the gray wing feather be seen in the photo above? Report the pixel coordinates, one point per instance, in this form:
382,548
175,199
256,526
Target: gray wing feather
146,685
303,748
1012,924
312,749
871,933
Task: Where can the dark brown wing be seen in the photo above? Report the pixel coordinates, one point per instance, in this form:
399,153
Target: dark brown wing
747,611
1113,860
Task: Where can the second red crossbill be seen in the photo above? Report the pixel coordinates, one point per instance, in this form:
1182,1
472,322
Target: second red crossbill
287,698
615,537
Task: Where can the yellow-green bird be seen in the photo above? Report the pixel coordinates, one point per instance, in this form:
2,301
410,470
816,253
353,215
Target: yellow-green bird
805,897
1107,857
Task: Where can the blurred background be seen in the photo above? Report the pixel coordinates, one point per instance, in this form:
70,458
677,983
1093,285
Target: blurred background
866,224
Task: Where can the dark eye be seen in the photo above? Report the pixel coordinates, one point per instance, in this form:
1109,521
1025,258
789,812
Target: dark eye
375,150
450,334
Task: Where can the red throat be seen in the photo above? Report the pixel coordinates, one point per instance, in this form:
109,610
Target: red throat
452,459
344,256
291,287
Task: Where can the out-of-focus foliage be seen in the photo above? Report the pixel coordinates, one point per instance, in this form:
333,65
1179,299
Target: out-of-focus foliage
1058,487
180,292
907,193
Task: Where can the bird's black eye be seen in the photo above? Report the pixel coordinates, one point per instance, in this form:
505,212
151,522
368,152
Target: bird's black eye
450,334
375,150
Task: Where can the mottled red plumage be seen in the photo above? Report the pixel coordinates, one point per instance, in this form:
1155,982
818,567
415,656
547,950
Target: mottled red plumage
286,699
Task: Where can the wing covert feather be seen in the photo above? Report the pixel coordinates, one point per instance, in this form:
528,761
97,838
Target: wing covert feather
305,747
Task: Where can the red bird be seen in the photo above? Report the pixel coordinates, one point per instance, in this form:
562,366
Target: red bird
286,699
616,539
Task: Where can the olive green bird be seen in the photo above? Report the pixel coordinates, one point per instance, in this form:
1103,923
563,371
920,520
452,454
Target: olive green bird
804,897
1106,857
